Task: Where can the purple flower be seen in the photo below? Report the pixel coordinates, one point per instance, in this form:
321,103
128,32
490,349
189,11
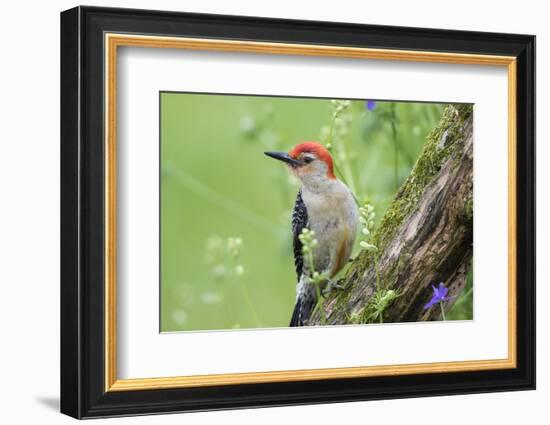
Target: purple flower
440,295
370,105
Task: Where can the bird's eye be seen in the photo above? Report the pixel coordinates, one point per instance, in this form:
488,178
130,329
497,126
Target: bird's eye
308,159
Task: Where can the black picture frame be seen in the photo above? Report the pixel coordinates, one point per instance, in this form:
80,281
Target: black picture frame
83,392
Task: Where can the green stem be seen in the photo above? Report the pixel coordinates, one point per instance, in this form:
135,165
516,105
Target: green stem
319,299
395,146
349,172
442,310
331,142
343,178
249,302
247,294
347,178
467,292
331,130
221,201
341,174
311,265
226,307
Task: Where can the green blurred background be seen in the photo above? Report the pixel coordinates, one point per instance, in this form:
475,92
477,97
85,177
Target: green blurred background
226,255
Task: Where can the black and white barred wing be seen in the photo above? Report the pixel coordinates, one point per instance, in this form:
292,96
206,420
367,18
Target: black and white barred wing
299,222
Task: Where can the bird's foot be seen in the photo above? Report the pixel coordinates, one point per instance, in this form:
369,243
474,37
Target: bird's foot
332,286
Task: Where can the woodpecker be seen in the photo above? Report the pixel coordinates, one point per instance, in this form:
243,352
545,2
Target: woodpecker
326,206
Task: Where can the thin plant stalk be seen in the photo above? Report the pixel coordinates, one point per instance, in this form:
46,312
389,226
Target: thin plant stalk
249,302
220,200
395,145
347,178
317,289
442,310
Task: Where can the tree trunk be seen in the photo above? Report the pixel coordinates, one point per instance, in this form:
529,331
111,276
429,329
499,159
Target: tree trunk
424,238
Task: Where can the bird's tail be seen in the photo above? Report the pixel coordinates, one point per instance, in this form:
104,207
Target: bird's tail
302,310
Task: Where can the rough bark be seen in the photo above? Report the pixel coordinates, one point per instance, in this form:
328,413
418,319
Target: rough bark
424,238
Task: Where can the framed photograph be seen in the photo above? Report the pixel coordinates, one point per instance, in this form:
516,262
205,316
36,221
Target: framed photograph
261,212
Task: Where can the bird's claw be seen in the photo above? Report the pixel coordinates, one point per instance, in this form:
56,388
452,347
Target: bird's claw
331,286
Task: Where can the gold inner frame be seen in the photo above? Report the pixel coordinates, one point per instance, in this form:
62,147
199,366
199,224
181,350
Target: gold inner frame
113,41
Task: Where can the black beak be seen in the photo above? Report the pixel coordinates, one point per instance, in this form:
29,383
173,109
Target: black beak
285,157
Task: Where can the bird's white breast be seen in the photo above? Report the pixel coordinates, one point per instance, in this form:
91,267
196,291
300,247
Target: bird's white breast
333,216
